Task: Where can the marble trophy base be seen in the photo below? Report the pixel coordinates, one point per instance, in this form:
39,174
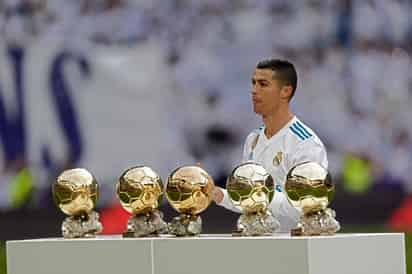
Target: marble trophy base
83,226
211,254
185,225
257,224
321,222
143,225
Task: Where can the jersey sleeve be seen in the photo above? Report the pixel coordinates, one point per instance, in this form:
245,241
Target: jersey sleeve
245,153
247,146
284,212
226,203
287,215
309,151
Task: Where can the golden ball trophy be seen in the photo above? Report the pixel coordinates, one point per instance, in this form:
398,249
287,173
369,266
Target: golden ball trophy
189,191
75,192
140,190
251,189
310,189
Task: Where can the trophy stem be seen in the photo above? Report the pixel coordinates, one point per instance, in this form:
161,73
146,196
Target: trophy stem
146,224
186,225
85,225
257,224
317,223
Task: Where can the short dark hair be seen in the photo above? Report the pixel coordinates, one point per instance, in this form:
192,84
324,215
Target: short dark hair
285,72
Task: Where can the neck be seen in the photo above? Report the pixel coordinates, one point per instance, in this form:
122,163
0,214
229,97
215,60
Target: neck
276,121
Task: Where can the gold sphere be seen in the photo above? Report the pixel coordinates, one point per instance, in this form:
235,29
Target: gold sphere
250,187
189,189
75,191
139,190
309,187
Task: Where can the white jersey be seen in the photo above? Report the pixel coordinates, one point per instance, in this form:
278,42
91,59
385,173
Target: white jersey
293,144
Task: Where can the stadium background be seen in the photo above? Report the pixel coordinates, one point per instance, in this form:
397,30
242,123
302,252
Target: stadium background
108,84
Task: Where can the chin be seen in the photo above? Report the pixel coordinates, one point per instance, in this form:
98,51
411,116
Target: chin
257,111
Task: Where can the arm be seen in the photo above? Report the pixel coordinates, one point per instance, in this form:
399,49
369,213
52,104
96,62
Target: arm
280,206
221,198
309,151
283,211
220,195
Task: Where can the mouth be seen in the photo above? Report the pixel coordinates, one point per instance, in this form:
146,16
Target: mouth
256,101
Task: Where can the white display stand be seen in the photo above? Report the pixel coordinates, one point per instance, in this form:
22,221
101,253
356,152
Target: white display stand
211,254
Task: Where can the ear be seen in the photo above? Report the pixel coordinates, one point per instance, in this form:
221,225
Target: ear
286,92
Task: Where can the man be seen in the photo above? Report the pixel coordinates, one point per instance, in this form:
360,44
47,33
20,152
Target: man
283,141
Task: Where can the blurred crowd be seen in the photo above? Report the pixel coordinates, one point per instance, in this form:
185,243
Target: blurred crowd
353,60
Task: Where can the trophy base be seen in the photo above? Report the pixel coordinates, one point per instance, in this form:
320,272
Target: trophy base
83,226
317,223
143,225
128,234
298,231
185,225
257,224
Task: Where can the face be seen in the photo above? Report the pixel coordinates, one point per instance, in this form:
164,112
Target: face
267,93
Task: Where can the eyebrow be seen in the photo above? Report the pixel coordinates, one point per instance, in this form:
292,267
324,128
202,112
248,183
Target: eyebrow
260,80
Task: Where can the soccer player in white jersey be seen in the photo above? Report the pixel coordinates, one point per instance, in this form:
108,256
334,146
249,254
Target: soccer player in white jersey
283,141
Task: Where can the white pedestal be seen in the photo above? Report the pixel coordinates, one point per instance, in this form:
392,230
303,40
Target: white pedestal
211,254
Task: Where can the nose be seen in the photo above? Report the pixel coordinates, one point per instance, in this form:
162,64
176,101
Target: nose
255,94
254,91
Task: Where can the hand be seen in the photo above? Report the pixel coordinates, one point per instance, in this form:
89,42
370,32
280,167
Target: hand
217,195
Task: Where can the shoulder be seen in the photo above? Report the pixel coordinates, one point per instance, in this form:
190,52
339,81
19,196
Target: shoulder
255,132
303,144
301,136
253,136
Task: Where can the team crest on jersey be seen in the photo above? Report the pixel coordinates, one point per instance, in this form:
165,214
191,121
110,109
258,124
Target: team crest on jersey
278,158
